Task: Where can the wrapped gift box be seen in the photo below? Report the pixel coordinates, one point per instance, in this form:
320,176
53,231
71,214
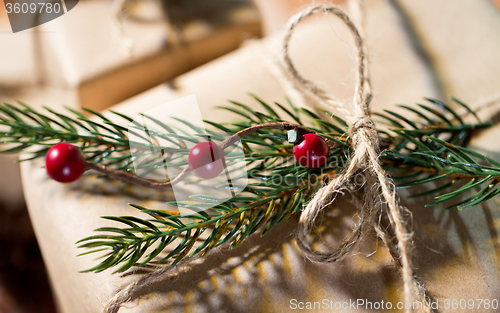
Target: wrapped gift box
455,252
83,50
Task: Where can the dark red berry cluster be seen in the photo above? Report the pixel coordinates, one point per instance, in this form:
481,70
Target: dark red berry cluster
66,163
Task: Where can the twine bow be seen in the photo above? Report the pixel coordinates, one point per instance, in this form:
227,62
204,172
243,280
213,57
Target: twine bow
364,140
377,185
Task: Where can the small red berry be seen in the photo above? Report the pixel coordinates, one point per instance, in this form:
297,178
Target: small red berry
64,162
206,160
311,152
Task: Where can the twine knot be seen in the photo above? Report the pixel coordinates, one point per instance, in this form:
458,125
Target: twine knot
364,122
369,130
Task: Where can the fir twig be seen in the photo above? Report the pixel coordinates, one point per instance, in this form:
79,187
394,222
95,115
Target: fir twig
429,148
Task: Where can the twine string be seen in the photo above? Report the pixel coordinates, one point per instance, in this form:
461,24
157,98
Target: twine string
364,160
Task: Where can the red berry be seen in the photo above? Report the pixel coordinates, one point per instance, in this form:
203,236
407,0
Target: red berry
64,162
206,160
312,152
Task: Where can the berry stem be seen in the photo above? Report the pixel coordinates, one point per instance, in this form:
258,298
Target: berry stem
276,125
125,176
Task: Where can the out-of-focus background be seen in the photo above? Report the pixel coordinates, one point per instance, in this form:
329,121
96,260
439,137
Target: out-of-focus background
96,55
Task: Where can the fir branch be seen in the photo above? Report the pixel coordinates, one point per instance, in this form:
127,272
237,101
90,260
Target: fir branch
460,164
429,148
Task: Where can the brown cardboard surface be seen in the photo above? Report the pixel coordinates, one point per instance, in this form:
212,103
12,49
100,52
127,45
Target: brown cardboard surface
456,253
